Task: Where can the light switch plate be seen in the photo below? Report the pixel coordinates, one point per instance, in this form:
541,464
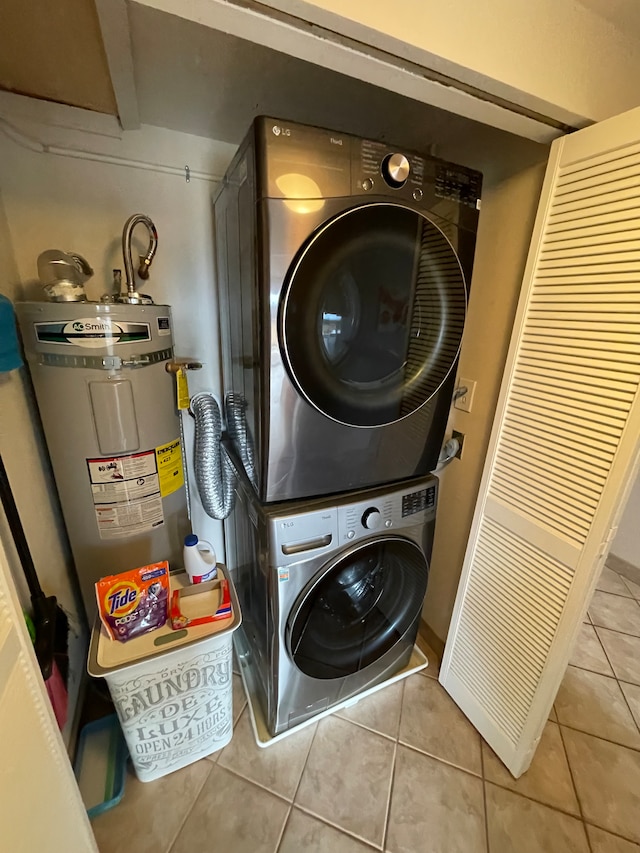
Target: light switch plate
465,402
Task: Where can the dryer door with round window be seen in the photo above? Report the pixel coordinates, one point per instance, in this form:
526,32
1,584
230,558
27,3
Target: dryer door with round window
372,314
357,608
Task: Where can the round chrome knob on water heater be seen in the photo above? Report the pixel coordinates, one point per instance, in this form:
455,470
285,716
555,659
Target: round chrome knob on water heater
108,409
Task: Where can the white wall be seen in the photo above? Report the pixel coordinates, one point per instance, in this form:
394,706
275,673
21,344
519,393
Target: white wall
68,202
626,545
509,202
563,58
29,474
59,201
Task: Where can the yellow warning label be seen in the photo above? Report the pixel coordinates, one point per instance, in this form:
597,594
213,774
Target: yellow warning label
170,471
182,389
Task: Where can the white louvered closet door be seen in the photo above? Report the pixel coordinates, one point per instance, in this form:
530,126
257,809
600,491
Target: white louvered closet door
564,447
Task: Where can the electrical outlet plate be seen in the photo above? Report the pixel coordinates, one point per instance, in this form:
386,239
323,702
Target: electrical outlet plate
464,403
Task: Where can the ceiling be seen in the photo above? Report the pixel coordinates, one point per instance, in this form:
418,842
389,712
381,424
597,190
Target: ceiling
623,14
53,51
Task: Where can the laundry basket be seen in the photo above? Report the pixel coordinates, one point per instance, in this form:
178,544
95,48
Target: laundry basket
172,689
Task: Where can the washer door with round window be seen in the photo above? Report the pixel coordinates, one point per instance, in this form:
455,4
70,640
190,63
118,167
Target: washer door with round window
358,608
372,315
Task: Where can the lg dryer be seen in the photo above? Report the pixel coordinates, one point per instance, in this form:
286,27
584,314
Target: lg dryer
342,267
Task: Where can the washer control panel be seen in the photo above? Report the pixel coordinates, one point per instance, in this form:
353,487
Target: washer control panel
420,501
386,513
306,534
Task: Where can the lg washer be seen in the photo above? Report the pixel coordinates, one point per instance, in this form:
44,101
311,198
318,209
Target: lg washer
331,592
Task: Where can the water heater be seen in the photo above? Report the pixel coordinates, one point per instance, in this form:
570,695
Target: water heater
107,405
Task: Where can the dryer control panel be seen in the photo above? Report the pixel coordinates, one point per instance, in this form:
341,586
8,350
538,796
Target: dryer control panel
305,534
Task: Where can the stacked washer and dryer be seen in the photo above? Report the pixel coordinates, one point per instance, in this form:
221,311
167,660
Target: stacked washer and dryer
342,267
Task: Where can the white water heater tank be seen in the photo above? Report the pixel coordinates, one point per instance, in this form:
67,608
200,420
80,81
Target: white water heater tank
108,409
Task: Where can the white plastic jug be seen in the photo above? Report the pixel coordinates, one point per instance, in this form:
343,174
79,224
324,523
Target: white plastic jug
199,564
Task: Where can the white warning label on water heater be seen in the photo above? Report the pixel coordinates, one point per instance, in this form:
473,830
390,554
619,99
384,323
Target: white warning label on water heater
126,494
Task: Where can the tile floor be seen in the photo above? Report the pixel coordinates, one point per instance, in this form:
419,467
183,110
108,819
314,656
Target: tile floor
404,772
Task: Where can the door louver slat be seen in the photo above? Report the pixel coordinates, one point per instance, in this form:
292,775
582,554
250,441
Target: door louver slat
549,430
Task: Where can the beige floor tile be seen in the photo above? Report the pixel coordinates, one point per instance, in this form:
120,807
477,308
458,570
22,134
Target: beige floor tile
239,704
151,813
615,613
433,723
604,842
306,834
595,704
347,778
632,695
239,699
610,581
607,778
588,652
548,779
231,814
278,767
624,653
518,825
380,711
552,715
434,808
633,588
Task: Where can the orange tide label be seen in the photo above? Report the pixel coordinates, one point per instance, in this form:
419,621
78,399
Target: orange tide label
121,598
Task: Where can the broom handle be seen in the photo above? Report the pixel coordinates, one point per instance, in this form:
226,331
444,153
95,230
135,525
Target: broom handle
17,531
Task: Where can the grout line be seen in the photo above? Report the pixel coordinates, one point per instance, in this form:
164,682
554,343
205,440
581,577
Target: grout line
385,827
611,832
535,799
573,782
484,799
341,829
295,793
574,728
262,787
615,674
618,594
594,671
618,681
538,802
617,630
284,828
360,725
441,760
306,761
193,805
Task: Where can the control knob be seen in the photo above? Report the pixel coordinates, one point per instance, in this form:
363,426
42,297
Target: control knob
395,170
371,518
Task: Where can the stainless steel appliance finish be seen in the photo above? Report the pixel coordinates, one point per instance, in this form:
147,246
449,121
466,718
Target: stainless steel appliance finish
343,266
107,406
331,592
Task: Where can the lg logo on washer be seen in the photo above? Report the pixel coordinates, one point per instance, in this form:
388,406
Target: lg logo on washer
277,131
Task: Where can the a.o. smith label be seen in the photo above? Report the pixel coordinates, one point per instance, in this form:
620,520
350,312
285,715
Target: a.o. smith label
178,711
91,332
